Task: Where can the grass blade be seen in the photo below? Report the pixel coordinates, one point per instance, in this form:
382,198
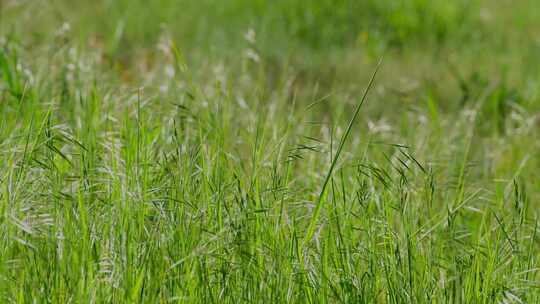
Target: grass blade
320,200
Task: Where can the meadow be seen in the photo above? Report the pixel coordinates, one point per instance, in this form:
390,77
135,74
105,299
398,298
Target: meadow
256,151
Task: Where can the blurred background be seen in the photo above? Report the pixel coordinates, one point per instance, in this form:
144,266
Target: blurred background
326,39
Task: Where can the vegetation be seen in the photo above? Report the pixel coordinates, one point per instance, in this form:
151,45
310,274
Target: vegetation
156,151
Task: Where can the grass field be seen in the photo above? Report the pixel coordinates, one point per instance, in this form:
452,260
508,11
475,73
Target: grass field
255,151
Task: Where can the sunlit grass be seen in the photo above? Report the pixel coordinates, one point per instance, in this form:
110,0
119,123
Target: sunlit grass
148,153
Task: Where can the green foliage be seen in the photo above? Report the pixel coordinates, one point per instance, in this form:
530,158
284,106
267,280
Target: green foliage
223,151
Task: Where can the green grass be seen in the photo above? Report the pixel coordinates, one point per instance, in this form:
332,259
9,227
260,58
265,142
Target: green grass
237,151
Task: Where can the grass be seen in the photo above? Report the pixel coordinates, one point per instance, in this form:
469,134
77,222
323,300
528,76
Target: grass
244,151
